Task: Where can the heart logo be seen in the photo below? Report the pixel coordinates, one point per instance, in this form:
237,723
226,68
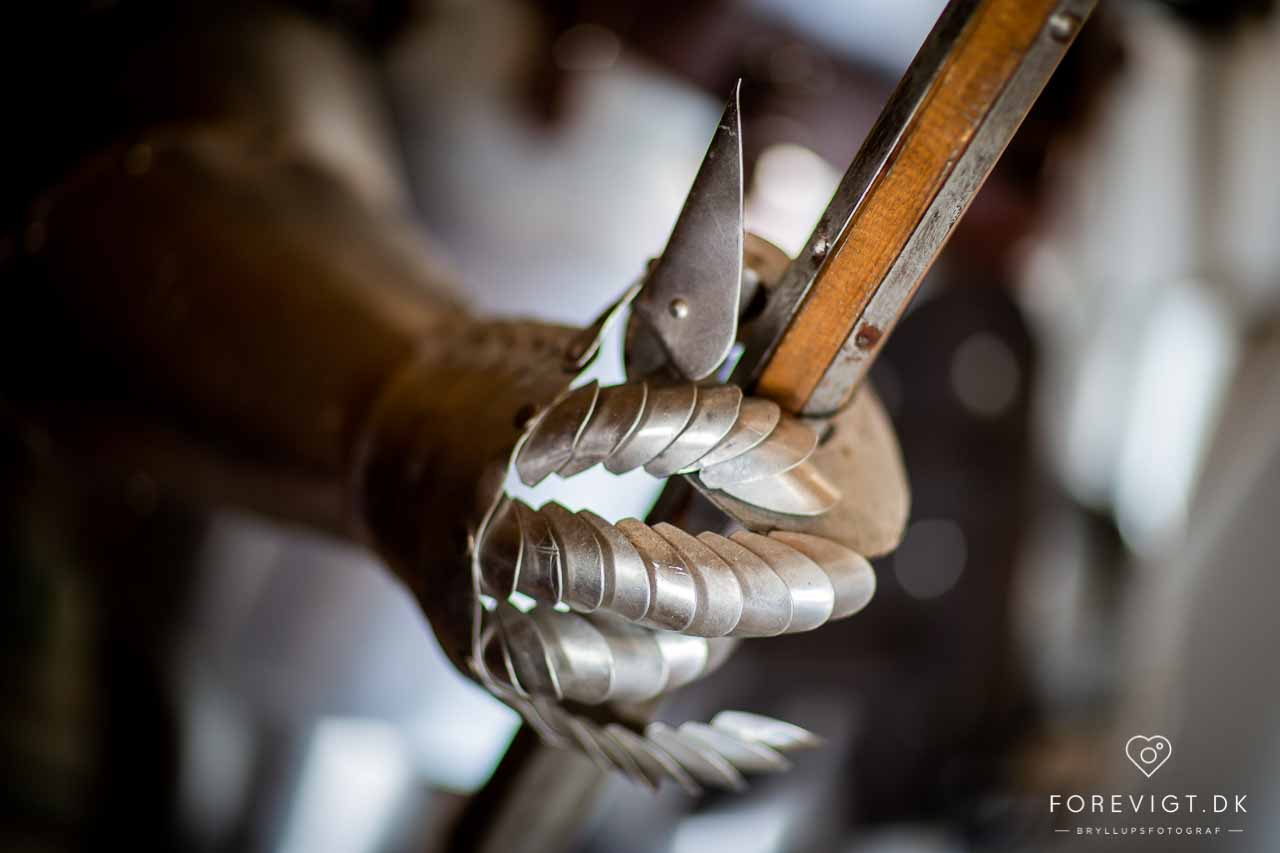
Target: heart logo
1148,754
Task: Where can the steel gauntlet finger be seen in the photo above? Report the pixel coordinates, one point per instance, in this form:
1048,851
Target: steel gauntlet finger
743,447
746,585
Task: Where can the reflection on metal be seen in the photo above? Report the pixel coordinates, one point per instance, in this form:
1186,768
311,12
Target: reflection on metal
746,448
661,577
694,755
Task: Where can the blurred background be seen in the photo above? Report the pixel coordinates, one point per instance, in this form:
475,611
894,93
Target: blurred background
1085,391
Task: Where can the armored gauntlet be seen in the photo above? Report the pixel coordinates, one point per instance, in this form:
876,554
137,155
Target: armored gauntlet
225,313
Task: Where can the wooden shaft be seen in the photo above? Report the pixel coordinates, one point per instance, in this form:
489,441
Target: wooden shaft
987,54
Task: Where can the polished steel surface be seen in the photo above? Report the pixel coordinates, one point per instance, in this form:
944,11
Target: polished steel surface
744,446
551,443
617,412
535,661
714,414
812,592
766,599
757,418
666,413
798,491
756,728
852,580
705,765
783,449
743,754
717,583
655,764
625,584
673,600
706,586
581,557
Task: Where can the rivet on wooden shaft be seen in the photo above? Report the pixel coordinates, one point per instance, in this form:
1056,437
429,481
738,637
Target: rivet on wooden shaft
867,336
1062,26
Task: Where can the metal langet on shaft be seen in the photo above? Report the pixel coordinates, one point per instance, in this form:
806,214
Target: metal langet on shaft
936,140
